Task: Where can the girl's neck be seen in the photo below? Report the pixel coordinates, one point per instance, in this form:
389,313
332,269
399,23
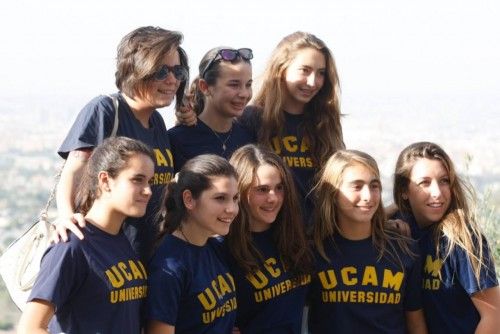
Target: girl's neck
216,121
259,227
141,109
355,230
189,232
293,107
107,220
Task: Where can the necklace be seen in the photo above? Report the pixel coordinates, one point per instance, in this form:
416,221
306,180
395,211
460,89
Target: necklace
223,142
184,236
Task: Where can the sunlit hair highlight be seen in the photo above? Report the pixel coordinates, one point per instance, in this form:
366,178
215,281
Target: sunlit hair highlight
322,126
326,216
140,54
458,224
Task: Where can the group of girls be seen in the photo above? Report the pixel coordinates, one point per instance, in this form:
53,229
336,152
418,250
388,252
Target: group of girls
231,248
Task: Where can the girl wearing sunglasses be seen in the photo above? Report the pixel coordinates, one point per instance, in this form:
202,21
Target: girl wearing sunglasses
97,285
219,94
367,278
151,71
267,245
460,287
297,109
190,287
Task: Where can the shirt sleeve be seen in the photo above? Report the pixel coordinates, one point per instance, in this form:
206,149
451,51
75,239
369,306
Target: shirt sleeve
175,144
250,119
63,269
93,124
465,271
165,292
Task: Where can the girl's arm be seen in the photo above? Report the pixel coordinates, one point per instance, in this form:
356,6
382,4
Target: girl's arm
36,317
487,303
415,322
66,192
158,327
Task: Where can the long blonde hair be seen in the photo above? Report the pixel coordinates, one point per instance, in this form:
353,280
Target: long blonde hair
458,224
326,223
322,126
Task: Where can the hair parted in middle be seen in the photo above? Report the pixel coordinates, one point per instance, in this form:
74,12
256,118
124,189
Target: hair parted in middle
322,115
140,54
195,176
110,156
326,217
288,229
459,223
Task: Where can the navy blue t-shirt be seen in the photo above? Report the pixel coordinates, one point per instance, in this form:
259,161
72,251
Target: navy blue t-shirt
447,300
294,149
191,141
358,293
97,284
191,288
270,300
94,124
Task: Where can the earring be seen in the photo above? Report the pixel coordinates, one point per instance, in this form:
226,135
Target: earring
405,197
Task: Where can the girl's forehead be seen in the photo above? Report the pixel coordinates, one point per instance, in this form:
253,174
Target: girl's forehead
308,55
424,167
358,171
241,68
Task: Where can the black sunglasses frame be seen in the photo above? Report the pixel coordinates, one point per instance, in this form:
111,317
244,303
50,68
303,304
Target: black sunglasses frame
228,55
180,72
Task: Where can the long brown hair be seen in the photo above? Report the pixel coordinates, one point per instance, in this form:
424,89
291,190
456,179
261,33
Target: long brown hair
326,223
458,224
322,126
288,229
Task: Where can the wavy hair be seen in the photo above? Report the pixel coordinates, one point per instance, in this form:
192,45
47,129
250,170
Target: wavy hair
458,224
322,126
327,212
288,229
140,54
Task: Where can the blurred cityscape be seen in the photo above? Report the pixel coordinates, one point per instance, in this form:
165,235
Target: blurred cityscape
467,127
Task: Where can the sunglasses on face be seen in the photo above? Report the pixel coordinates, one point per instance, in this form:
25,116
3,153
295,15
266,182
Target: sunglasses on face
228,55
180,72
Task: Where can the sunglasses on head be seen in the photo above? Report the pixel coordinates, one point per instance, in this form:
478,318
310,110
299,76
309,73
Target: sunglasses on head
180,72
228,55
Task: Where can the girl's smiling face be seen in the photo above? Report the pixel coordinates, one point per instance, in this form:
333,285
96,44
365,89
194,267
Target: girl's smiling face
359,195
304,76
265,198
429,192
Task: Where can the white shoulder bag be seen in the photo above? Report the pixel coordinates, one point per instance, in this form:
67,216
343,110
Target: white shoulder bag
20,262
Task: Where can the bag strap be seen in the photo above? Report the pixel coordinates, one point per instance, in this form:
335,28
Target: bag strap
44,213
116,105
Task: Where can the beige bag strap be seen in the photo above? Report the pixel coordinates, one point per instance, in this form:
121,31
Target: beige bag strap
44,213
